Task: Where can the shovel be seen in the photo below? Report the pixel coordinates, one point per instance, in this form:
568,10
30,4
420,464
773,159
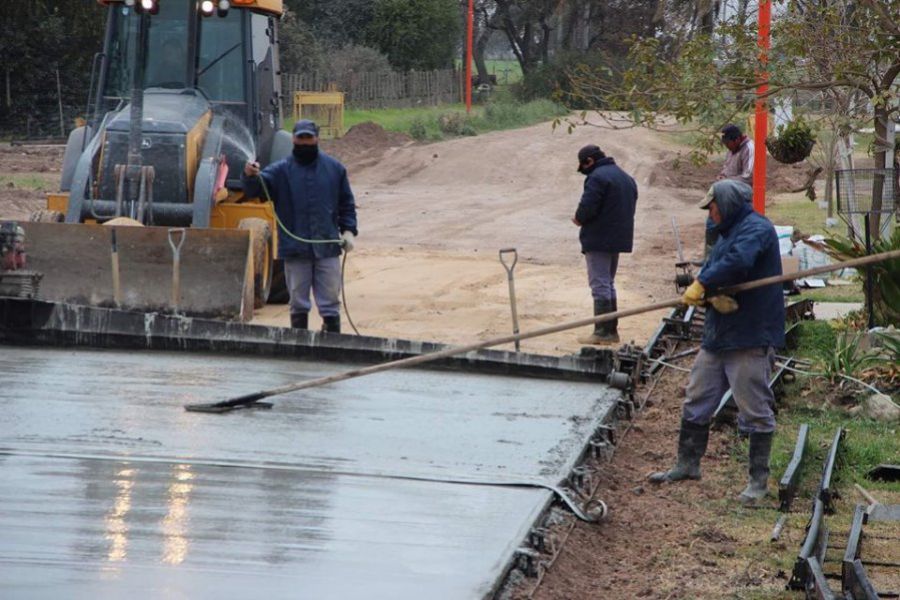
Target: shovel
512,287
249,400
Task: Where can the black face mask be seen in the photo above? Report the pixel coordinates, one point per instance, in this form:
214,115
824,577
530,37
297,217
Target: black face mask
305,154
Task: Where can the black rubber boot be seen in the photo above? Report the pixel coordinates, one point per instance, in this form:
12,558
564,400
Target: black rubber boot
612,327
300,320
331,324
692,441
601,334
760,449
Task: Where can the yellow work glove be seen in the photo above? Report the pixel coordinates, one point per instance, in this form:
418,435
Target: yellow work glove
693,295
724,304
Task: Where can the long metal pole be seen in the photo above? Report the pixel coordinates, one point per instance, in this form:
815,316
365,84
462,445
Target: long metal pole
248,399
761,126
470,26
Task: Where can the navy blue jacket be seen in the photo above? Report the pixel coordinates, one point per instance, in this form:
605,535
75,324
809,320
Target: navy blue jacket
606,209
747,249
314,201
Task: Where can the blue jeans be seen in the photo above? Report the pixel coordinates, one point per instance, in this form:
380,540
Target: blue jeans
747,372
323,276
601,268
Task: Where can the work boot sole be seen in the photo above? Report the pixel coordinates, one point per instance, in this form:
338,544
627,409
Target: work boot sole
599,340
660,478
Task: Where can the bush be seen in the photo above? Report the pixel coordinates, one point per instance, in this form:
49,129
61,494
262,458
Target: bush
792,143
418,131
454,123
560,79
355,59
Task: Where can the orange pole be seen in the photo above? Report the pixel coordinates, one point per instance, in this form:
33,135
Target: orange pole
470,20
761,127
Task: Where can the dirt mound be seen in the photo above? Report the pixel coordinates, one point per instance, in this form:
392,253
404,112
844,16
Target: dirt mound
364,144
681,173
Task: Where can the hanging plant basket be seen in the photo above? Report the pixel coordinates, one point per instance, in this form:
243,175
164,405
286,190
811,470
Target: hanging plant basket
792,143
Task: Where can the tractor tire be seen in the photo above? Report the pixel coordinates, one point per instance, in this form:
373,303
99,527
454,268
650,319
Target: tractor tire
279,294
263,258
46,216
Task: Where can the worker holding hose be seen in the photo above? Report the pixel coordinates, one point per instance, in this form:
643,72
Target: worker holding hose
317,213
739,338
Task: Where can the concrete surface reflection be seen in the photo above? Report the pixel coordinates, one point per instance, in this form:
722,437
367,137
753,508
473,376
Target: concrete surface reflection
109,489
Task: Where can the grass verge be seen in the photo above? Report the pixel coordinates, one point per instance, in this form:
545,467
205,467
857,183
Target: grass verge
450,120
30,181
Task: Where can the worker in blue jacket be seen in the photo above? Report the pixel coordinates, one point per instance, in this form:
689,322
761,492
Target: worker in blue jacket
739,338
605,215
314,202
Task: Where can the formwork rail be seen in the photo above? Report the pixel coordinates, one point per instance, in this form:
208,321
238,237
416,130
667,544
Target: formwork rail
804,574
855,582
787,486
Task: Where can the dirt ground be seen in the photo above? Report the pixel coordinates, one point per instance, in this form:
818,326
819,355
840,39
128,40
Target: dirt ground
432,219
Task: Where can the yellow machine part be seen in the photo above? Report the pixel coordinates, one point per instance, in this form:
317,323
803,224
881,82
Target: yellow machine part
275,7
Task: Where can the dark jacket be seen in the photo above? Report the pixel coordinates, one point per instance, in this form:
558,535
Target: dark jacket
314,201
606,209
747,250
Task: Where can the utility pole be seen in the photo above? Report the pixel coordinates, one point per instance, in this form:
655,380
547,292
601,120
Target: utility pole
470,22
761,127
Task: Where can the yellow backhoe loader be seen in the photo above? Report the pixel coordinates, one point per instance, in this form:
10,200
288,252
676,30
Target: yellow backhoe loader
182,94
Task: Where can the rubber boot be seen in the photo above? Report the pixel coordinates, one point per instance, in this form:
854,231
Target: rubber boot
612,327
760,448
331,324
692,441
300,320
601,334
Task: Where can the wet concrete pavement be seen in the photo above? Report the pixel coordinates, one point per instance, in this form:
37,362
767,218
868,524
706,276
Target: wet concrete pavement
109,489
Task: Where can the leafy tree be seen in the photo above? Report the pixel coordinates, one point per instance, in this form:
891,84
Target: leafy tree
299,50
840,49
37,40
415,34
335,23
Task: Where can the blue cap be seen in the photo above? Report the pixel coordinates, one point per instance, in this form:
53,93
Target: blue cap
306,127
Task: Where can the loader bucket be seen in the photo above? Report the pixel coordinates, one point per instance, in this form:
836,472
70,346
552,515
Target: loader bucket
214,273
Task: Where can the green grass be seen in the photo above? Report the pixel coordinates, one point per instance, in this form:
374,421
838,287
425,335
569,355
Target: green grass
30,181
797,210
506,71
843,293
425,123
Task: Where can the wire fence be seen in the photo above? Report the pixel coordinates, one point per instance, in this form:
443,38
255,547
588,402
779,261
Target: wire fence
861,191
389,89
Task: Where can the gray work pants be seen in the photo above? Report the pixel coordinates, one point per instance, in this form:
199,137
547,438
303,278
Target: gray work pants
601,268
323,276
747,373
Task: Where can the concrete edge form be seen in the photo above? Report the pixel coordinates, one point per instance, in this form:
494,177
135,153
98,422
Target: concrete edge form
32,322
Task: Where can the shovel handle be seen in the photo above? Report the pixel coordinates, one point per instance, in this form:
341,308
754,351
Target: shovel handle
176,263
176,248
509,267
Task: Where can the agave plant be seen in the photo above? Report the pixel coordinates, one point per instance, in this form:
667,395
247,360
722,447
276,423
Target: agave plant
885,275
848,357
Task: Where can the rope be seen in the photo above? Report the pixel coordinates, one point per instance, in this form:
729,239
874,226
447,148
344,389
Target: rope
340,242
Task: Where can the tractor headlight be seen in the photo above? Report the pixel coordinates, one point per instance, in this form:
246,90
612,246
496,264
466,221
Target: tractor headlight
223,7
207,7
148,6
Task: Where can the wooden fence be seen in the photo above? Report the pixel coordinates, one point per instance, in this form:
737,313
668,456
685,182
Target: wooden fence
379,90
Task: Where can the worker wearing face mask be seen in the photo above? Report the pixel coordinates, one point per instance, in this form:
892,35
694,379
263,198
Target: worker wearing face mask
313,201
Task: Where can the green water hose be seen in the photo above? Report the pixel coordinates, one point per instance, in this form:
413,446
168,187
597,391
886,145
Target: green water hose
291,235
